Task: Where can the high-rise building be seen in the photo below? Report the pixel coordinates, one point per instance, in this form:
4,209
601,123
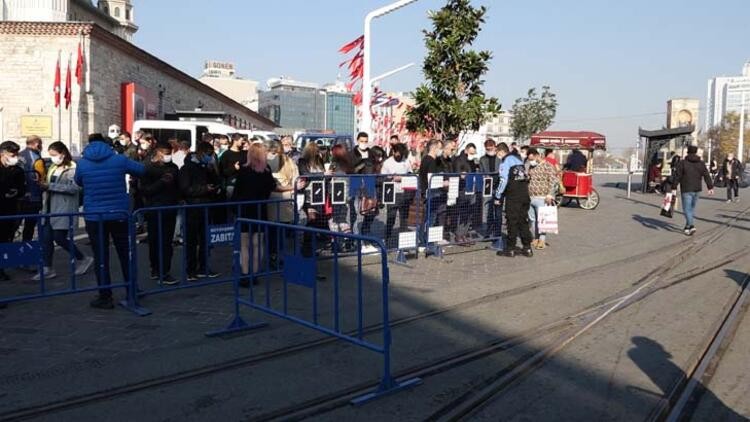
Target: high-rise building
117,16
498,127
339,108
294,105
221,76
725,96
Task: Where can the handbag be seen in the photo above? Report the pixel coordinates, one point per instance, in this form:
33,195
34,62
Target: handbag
547,219
667,206
368,206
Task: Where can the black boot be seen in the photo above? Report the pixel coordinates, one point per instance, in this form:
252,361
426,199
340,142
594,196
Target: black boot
102,302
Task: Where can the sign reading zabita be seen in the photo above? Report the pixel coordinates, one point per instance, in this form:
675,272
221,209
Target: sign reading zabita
221,235
38,125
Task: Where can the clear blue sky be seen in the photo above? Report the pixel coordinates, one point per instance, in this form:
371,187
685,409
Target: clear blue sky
602,58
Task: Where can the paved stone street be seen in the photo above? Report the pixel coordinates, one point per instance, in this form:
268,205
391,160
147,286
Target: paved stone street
65,361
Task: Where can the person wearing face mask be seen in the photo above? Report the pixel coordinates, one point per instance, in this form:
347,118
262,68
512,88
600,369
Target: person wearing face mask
125,146
543,186
222,145
160,189
363,145
432,163
101,174
12,189
489,164
513,188
289,150
199,184
61,196
463,210
35,171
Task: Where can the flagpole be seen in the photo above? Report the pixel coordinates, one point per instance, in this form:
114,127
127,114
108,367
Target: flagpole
59,103
70,105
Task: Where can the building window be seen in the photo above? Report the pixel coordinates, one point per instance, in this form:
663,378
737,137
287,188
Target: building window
127,14
117,12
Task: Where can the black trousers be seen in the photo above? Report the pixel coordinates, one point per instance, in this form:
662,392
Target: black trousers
733,186
195,240
29,224
160,238
100,233
517,214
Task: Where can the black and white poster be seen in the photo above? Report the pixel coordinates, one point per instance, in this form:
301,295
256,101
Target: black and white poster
389,193
317,193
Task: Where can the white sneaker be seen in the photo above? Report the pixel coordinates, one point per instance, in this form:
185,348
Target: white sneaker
82,266
48,274
369,249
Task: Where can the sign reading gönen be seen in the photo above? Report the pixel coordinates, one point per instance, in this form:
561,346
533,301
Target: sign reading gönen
38,125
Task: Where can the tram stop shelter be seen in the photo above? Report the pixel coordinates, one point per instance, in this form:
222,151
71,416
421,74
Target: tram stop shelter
658,145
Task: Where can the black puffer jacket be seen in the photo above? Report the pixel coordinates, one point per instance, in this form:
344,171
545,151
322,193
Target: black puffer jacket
12,188
194,179
689,173
159,185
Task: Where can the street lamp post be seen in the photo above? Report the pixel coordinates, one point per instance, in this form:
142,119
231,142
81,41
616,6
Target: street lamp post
366,122
741,146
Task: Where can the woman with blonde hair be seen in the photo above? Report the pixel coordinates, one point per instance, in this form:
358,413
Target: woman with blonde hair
255,182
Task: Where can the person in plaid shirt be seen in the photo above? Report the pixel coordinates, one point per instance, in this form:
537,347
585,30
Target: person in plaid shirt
542,189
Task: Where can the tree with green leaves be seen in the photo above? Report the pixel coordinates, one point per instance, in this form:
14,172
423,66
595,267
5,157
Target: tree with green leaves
726,135
533,114
453,100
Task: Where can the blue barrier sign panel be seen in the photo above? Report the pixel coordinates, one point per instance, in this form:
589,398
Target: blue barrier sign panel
300,270
221,235
20,254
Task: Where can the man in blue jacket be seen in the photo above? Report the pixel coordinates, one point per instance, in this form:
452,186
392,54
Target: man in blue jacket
513,188
101,173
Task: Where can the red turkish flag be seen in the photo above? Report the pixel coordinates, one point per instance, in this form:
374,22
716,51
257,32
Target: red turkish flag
68,86
79,65
56,88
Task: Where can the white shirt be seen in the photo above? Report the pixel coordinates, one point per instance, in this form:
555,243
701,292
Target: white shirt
391,166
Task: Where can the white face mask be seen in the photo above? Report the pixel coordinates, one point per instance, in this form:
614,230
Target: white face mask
145,146
472,157
56,159
270,156
363,147
287,149
11,161
223,147
533,163
166,159
124,142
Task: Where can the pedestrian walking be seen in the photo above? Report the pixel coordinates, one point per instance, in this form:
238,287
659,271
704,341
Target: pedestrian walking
35,171
159,188
199,184
514,191
731,173
61,196
101,174
12,189
543,184
688,175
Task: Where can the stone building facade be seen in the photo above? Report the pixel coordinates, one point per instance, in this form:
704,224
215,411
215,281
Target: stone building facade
30,53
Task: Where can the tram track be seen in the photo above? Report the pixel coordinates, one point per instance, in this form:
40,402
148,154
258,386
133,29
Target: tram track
432,368
476,399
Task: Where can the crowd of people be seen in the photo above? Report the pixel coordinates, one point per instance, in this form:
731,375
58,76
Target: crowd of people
119,174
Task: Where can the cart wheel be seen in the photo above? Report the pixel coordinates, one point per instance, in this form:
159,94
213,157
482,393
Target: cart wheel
592,201
558,200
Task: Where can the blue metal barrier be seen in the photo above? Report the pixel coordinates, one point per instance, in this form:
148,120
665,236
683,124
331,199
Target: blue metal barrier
461,211
385,206
32,254
215,228
300,269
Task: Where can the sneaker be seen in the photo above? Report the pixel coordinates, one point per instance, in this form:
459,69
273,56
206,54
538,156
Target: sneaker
207,274
686,230
691,230
369,249
168,280
83,266
510,253
102,303
736,199
245,280
192,277
153,276
49,273
527,252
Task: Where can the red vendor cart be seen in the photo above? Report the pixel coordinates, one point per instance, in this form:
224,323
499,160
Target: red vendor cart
576,183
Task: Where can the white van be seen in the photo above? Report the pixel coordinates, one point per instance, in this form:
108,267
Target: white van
260,134
192,131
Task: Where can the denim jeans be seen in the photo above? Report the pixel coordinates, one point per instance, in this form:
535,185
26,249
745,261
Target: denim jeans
100,233
689,200
536,203
63,239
